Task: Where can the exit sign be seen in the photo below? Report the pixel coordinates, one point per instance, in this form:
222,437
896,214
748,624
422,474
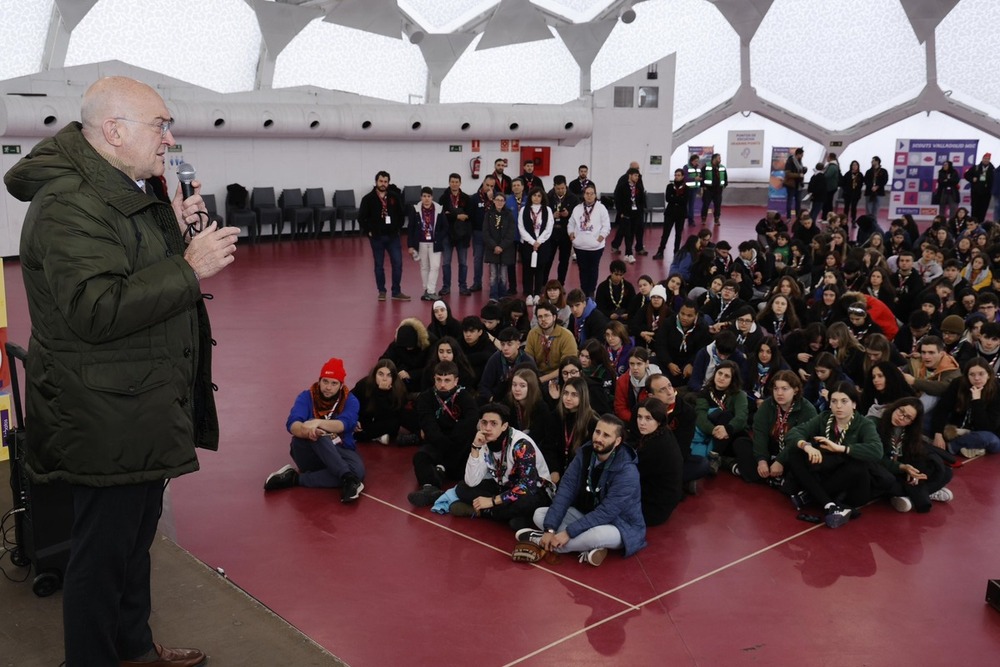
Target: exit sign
455,148
176,148
11,149
836,144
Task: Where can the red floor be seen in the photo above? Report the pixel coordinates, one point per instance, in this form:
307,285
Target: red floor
732,579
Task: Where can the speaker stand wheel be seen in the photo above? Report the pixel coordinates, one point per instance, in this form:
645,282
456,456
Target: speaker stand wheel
46,583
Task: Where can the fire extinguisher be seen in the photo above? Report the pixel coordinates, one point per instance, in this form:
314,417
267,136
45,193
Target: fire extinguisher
474,165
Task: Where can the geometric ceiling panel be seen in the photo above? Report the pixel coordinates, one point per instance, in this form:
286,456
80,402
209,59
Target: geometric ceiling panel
514,22
541,72
867,60
378,16
708,69
439,16
172,37
23,40
577,11
966,55
331,56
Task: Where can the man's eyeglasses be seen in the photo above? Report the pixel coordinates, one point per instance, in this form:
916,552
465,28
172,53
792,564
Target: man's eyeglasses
163,125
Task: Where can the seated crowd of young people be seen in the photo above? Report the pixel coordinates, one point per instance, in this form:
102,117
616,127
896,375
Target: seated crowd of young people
833,371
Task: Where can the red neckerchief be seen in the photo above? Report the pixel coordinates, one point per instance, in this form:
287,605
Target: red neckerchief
454,199
500,183
427,222
385,203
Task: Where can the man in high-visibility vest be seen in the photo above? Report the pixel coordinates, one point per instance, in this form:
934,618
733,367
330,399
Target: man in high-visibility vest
692,179
714,180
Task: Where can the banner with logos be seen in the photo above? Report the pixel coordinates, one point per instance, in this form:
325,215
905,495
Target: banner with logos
705,153
914,173
746,149
5,414
776,195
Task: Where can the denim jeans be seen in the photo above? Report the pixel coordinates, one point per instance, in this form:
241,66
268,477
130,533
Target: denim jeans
498,281
976,440
872,205
463,264
792,194
692,197
380,245
606,536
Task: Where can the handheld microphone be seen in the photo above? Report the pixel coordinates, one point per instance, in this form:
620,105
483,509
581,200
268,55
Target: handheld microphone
186,174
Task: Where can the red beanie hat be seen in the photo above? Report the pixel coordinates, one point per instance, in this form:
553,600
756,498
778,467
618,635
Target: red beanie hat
334,369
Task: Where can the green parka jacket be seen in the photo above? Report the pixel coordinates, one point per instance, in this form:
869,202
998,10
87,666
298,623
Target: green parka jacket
118,387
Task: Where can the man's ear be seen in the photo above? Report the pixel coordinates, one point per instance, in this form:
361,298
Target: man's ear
109,129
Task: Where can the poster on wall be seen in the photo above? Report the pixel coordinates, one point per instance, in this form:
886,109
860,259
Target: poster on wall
746,149
914,173
776,194
703,152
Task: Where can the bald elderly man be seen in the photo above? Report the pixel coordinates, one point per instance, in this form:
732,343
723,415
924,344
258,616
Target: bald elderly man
119,378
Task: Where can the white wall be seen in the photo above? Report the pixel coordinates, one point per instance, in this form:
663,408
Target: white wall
301,163
622,136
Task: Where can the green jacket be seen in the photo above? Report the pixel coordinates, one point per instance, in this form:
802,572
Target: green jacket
862,437
765,418
119,387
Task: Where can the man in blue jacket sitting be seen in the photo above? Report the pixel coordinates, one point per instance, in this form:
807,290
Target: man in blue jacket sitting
597,506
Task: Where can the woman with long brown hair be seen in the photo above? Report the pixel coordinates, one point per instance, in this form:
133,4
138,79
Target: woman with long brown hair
572,425
967,417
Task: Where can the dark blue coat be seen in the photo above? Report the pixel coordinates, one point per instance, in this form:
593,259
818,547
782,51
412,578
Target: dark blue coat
620,498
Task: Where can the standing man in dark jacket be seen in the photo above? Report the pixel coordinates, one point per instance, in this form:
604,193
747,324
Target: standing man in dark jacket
119,384
381,217
795,173
458,210
980,180
562,202
630,205
876,179
714,181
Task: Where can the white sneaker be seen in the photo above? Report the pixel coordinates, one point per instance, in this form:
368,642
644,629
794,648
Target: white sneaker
384,439
901,503
594,557
972,453
529,300
943,495
630,259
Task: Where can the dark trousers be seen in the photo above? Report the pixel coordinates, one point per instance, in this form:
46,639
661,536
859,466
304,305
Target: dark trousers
677,223
837,478
589,264
630,230
828,203
711,197
561,247
851,209
106,600
512,275
380,246
695,467
533,278
431,455
938,475
519,510
746,460
980,204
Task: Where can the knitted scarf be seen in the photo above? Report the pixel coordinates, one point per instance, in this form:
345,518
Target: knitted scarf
325,408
